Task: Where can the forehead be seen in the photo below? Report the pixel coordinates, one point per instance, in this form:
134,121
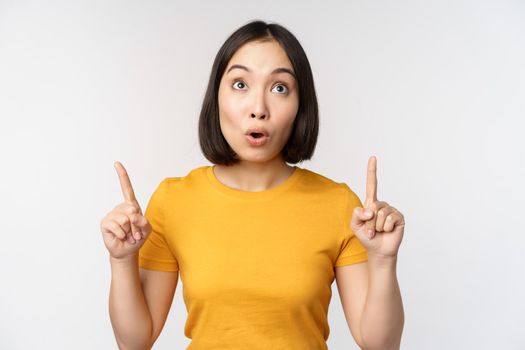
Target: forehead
261,56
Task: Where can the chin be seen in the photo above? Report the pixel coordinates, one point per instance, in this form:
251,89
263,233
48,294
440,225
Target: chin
254,159
253,154
261,157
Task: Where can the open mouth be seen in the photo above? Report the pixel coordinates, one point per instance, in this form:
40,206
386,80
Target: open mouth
257,139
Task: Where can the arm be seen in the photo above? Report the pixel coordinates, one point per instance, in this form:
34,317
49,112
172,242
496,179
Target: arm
372,303
371,291
383,317
139,302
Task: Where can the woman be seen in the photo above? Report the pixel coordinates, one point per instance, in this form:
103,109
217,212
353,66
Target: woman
258,242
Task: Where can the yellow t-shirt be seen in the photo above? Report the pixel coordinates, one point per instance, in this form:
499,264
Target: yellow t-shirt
256,267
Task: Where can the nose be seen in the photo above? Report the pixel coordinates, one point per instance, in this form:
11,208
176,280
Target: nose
259,106
262,116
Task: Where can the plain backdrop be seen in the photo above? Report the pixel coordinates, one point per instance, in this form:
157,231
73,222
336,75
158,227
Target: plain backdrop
434,89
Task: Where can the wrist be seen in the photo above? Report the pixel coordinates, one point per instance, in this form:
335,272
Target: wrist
383,261
127,260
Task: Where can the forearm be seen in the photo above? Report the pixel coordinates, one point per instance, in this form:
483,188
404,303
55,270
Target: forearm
129,313
383,316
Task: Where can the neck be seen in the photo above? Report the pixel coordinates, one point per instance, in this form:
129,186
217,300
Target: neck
253,176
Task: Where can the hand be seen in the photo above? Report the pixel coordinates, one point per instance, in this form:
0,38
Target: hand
378,226
125,229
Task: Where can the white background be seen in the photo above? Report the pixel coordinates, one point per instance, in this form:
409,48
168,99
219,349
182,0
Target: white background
434,89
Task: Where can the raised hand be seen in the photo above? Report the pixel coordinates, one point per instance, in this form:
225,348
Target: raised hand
125,229
378,226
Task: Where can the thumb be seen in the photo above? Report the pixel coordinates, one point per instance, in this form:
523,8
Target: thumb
142,224
360,216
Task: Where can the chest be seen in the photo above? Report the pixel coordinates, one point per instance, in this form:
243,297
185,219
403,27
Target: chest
281,255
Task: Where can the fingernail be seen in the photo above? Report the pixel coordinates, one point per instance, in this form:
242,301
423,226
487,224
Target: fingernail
370,233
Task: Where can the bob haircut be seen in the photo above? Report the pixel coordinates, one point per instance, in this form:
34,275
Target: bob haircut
303,138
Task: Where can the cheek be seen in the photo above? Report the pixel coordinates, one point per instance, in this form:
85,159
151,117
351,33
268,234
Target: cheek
291,106
288,113
229,106
228,119
226,109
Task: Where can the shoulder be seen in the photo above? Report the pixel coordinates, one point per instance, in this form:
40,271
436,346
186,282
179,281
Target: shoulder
316,181
192,178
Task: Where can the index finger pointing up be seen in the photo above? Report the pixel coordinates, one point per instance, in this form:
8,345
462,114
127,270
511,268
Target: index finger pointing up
125,183
371,181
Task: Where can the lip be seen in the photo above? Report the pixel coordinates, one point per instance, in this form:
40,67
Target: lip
261,141
259,130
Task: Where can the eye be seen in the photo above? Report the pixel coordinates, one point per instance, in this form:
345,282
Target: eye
282,88
240,85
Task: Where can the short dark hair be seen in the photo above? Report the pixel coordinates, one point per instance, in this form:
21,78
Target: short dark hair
303,138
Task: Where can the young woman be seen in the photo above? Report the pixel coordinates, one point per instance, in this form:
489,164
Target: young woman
258,242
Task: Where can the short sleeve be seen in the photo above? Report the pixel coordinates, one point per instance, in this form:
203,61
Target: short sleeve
155,254
352,251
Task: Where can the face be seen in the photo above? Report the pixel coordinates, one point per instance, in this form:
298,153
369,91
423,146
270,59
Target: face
258,89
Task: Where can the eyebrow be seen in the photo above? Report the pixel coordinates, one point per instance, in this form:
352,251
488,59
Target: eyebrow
275,71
